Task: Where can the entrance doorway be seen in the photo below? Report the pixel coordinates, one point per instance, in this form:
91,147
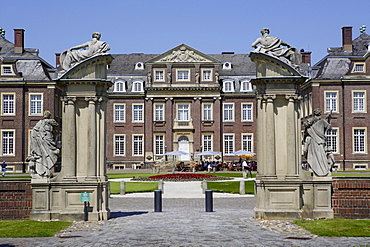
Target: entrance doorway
184,146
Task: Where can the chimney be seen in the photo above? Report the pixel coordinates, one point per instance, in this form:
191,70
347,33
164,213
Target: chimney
57,59
18,41
347,38
306,56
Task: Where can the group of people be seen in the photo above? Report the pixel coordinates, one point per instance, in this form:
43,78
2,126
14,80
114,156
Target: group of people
213,166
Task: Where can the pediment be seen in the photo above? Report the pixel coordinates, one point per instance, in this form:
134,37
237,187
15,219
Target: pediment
183,54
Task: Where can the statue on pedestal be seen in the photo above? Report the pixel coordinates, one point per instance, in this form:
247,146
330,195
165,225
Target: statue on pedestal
75,54
319,158
275,47
44,153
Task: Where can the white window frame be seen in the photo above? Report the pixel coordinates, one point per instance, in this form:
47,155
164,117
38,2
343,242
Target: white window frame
119,86
207,141
247,142
119,115
39,103
184,113
207,74
207,114
229,117
7,69
359,68
247,114
246,86
332,101
137,145
356,109
329,139
137,86
181,71
228,86
228,149
11,104
360,167
159,141
158,114
159,75
121,144
138,114
10,141
358,146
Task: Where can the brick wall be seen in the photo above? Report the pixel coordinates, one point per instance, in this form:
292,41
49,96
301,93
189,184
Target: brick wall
351,197
15,199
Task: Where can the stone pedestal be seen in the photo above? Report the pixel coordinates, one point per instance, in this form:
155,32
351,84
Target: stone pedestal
283,191
83,150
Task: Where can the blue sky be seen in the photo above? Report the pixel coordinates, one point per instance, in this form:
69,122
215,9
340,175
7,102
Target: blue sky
156,26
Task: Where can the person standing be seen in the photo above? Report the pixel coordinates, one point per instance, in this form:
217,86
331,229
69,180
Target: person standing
3,168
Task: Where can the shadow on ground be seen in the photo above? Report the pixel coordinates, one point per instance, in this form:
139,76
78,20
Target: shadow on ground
120,214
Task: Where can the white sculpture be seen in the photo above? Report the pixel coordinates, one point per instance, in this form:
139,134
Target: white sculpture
275,47
75,54
44,153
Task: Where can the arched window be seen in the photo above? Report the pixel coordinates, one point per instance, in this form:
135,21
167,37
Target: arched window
137,86
246,86
228,86
119,86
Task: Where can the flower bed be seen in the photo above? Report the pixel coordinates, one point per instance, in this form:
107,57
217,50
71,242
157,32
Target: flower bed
182,177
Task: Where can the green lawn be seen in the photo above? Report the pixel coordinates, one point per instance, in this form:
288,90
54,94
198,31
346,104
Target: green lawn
130,175
337,227
30,228
232,187
134,187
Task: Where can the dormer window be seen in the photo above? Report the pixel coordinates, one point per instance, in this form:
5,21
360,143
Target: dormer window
358,68
227,66
139,66
137,86
7,70
119,86
246,86
228,86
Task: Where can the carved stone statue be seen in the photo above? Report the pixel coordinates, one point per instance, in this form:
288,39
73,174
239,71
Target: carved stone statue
44,153
75,54
319,158
275,47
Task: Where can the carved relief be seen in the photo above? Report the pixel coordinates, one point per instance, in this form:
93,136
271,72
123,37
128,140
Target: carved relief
183,55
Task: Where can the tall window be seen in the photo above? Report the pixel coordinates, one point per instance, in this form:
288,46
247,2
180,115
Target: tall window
159,75
247,140
331,101
207,142
228,144
159,113
359,139
183,75
332,140
119,113
138,145
207,112
119,86
7,142
138,112
228,112
35,104
159,144
7,107
359,101
183,112
119,145
247,112
207,75
137,86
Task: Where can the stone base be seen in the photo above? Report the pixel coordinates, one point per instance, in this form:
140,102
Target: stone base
61,200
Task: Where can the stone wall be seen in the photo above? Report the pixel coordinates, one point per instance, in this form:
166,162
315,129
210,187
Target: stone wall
351,197
15,199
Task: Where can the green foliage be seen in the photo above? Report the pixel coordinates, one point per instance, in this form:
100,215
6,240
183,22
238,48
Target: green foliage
30,228
232,187
130,175
134,187
337,227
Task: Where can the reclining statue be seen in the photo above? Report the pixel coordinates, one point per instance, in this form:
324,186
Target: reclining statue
75,54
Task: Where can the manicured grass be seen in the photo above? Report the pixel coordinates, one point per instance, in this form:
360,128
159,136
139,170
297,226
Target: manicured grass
130,175
30,228
134,187
337,227
232,187
349,175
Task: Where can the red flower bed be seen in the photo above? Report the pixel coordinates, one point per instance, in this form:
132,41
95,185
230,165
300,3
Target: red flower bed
180,177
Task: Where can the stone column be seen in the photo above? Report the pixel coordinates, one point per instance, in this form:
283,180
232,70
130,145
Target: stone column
291,123
269,131
92,137
69,139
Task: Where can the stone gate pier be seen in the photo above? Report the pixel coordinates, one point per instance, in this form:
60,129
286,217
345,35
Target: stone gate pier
84,101
283,191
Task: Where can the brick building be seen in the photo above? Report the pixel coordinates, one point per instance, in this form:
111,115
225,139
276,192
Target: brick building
26,91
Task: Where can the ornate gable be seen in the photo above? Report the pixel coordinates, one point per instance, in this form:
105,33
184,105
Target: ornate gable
183,54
